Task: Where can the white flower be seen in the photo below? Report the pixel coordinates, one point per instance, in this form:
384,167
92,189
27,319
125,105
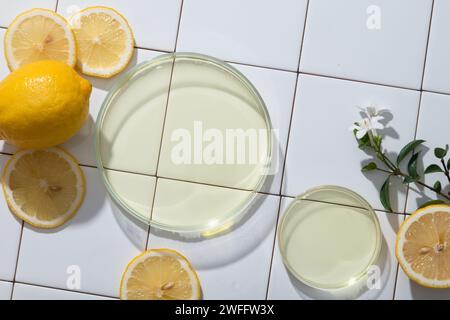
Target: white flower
367,125
372,111
371,123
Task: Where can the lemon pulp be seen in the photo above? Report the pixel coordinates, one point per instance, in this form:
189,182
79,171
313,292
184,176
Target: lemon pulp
160,274
43,187
39,34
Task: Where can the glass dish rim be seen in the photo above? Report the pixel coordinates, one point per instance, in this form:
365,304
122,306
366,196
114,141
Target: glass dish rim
304,196
197,230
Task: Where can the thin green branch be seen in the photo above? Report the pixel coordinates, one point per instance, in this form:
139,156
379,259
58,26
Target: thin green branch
446,171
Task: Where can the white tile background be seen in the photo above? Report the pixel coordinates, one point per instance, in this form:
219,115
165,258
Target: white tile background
313,62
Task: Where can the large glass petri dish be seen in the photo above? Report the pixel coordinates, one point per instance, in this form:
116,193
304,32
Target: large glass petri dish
329,237
184,143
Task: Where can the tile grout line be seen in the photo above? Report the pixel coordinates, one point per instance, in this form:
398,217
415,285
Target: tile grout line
294,98
442,93
359,81
203,183
164,125
63,289
218,186
427,46
57,4
398,269
421,91
395,282
303,37
260,66
149,229
168,93
159,151
283,169
152,49
310,73
280,199
317,75
17,258
416,130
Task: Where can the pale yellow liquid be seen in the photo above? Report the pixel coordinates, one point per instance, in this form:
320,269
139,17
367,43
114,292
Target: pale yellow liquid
212,97
329,245
137,138
132,128
195,205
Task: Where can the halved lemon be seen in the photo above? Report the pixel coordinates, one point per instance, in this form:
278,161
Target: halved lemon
44,187
160,274
105,41
423,246
39,34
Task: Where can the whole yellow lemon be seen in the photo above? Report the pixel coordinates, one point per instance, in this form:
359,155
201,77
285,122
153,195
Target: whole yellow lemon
42,104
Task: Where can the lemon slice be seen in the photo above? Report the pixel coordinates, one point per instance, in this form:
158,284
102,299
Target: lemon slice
39,34
43,187
423,246
160,274
105,41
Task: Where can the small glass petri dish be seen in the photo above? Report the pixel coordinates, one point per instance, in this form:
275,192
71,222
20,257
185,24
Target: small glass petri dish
184,143
329,237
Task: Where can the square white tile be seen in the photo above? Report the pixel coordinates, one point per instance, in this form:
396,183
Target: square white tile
234,265
437,70
322,150
277,88
369,40
284,286
408,290
154,22
30,292
10,229
432,127
89,253
10,9
5,290
260,32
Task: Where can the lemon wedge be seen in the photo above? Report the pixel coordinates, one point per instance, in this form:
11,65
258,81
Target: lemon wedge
423,246
44,187
39,34
105,41
160,274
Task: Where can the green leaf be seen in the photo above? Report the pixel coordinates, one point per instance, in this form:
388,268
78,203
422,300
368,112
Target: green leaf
412,166
448,164
432,168
409,179
432,202
364,142
369,167
385,196
440,153
437,186
407,149
363,146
